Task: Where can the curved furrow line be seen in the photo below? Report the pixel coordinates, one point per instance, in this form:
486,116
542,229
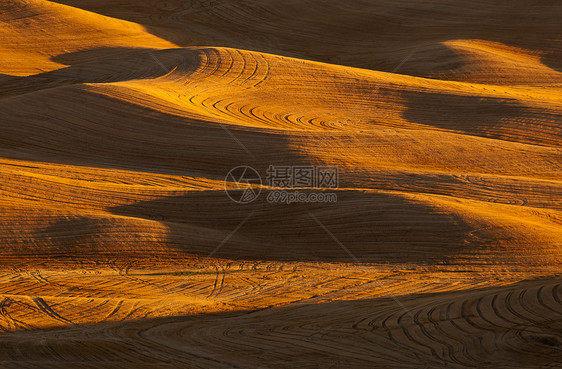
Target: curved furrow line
250,81
238,64
113,312
461,332
222,281
472,329
266,74
504,309
395,339
254,70
216,283
219,67
415,336
441,345
541,300
522,310
251,112
236,110
47,310
488,313
456,347
209,63
13,324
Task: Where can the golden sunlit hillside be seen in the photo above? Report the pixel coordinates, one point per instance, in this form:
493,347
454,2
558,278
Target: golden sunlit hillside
280,184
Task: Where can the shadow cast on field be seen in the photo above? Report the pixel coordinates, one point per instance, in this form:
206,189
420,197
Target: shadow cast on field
374,227
103,65
489,117
361,35
81,131
467,114
368,332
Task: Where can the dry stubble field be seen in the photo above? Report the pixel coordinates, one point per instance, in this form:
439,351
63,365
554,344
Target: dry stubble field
121,119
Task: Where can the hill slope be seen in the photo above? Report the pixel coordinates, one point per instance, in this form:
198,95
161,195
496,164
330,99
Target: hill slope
121,121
